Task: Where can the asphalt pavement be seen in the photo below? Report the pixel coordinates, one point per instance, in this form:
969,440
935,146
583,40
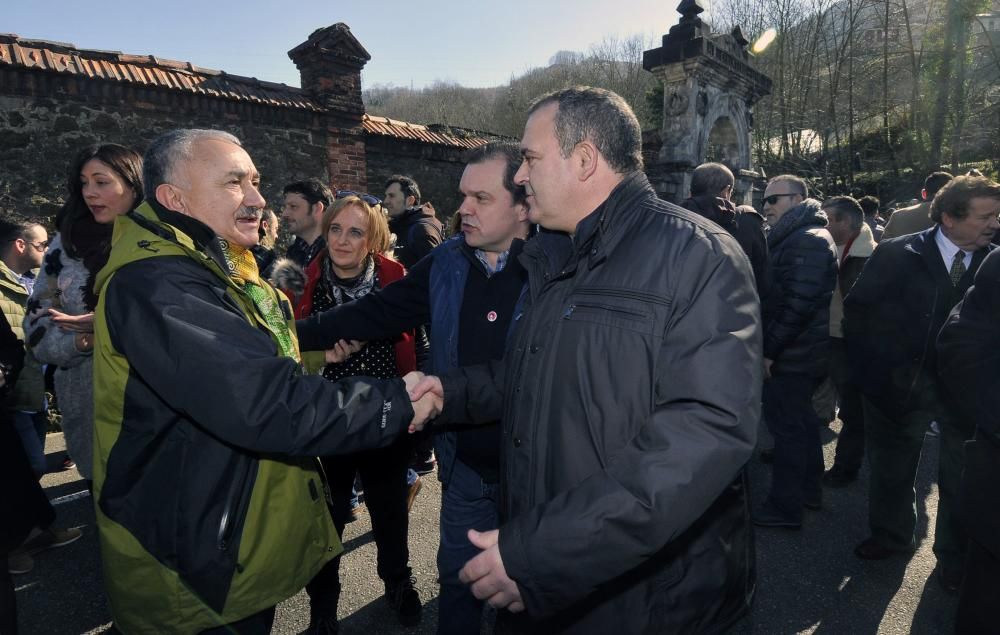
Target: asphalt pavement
809,581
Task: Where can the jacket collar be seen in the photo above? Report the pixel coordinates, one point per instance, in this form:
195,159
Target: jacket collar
201,235
10,280
807,213
924,244
864,243
596,235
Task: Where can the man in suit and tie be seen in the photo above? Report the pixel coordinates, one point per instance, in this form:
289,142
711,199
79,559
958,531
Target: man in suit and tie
891,320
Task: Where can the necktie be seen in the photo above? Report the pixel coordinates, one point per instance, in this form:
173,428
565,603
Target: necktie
957,267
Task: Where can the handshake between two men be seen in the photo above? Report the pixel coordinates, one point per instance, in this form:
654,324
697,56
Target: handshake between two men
427,397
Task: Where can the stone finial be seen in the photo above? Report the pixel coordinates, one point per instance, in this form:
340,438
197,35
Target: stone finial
741,39
330,63
689,10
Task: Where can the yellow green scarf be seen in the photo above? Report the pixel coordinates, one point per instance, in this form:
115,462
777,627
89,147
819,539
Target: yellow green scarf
243,271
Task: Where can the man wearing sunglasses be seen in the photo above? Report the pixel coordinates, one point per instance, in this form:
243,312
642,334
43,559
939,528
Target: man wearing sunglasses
23,248
796,317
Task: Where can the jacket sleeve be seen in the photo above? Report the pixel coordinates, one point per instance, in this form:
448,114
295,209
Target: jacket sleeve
399,307
698,436
199,353
49,343
969,350
807,270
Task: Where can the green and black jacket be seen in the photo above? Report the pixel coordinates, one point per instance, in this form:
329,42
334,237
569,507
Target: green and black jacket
209,505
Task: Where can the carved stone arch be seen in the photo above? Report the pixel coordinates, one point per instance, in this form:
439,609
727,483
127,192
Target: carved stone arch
726,137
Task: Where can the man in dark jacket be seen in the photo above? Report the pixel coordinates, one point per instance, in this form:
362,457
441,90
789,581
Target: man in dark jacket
305,203
623,509
416,228
891,319
969,365
796,316
855,244
711,188
469,289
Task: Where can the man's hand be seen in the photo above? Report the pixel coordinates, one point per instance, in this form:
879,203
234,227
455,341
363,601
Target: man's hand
342,350
427,396
487,576
767,367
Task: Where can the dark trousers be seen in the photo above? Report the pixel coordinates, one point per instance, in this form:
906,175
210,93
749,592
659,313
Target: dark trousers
851,441
977,605
468,502
798,450
383,472
894,447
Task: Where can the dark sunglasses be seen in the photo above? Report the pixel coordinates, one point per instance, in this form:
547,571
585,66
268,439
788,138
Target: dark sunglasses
367,198
772,199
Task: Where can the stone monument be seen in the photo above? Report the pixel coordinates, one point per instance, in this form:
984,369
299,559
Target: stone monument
709,90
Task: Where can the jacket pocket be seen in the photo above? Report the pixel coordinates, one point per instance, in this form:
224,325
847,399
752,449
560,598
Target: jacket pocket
604,311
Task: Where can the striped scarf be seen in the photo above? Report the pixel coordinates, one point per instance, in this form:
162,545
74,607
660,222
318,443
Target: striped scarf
243,271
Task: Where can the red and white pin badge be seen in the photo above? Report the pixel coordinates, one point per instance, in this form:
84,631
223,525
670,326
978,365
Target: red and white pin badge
491,316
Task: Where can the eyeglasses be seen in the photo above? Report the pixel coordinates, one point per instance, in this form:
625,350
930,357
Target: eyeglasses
367,198
42,246
772,199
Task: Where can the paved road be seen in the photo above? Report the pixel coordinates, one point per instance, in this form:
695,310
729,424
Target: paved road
808,581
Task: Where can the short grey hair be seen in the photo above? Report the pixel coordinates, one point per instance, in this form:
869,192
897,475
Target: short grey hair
798,185
169,149
711,178
600,116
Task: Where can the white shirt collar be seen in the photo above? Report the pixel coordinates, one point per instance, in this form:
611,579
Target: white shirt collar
948,250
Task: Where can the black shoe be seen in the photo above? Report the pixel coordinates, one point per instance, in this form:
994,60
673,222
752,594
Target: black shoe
872,549
424,467
768,516
766,457
838,476
323,626
404,600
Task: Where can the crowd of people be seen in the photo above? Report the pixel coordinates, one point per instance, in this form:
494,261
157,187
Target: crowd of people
557,361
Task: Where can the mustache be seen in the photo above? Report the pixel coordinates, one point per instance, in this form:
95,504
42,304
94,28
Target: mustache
248,213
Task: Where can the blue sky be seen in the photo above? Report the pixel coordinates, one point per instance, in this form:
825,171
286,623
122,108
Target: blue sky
474,43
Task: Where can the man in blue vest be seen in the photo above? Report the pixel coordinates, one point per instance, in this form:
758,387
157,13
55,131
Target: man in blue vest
467,289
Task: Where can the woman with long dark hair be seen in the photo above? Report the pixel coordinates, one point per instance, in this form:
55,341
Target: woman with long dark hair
104,182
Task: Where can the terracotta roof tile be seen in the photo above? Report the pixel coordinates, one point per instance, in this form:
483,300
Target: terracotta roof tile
439,135
147,70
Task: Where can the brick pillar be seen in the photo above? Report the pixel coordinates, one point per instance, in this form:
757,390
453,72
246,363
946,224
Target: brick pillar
330,63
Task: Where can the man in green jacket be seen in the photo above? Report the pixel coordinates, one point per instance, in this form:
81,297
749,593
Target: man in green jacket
22,247
210,506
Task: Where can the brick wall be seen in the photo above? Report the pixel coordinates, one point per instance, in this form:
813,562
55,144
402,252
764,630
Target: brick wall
41,135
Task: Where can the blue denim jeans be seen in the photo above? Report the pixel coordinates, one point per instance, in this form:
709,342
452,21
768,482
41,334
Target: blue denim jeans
31,427
468,502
